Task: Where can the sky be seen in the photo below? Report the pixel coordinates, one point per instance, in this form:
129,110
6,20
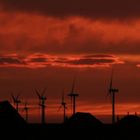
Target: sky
45,44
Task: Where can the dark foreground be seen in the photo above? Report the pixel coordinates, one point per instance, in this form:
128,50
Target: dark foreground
81,125
57,131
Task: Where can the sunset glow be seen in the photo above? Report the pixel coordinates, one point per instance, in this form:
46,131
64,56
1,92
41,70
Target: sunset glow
46,45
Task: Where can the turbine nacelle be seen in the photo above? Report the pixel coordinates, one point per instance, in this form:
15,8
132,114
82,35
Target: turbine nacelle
113,90
73,95
63,103
41,96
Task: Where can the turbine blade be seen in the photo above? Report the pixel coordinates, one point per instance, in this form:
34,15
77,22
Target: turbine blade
73,85
71,102
13,97
111,83
25,104
59,108
37,93
17,97
71,99
63,98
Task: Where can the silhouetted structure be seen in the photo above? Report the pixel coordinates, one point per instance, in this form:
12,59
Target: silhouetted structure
63,104
9,115
83,119
73,96
42,98
112,92
16,101
130,120
26,109
118,118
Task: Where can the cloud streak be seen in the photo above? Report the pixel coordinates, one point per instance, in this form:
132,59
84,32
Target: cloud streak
44,60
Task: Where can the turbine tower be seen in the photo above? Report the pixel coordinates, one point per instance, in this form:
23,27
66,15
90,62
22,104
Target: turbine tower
26,109
42,99
16,101
63,104
112,92
73,96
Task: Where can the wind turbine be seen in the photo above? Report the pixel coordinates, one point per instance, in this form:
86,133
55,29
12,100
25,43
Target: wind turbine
42,98
63,104
16,101
73,96
112,92
26,109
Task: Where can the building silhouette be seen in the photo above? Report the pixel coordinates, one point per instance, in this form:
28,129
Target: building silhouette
130,120
83,119
9,115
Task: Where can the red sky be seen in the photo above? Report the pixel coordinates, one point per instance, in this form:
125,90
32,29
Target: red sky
45,44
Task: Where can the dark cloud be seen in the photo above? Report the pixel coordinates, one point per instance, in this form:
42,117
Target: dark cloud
89,8
44,60
93,60
89,61
9,60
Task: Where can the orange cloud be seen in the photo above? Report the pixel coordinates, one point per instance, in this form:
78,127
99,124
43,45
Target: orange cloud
138,65
35,33
44,60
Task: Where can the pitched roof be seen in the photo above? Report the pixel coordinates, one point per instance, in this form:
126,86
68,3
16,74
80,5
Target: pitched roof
9,115
130,120
83,119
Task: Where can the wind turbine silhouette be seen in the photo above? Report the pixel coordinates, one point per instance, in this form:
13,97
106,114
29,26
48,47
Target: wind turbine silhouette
26,109
42,98
63,104
16,101
73,96
112,92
